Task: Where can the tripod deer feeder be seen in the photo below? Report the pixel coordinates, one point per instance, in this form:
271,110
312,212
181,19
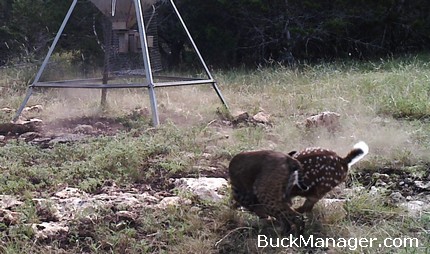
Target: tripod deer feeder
122,16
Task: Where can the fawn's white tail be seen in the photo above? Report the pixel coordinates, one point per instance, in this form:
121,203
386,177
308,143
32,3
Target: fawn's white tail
359,151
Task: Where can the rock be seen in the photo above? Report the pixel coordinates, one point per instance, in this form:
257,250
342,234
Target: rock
71,202
125,199
47,210
2,138
330,211
20,126
35,108
9,217
49,230
8,201
66,138
339,191
29,136
34,121
206,188
173,201
261,117
6,110
383,177
380,183
195,209
351,192
375,191
100,125
126,216
416,207
327,119
83,128
380,120
69,192
42,142
242,117
422,185
397,197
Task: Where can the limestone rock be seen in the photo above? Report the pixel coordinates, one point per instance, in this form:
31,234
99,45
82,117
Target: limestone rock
6,110
49,230
206,188
126,216
415,208
69,192
8,217
330,211
8,201
261,117
173,201
422,185
327,119
31,109
397,197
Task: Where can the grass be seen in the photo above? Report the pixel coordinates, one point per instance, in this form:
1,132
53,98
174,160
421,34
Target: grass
385,103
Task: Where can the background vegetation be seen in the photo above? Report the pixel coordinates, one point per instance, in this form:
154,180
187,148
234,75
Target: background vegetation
232,33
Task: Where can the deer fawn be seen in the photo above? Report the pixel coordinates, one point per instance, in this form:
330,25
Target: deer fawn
322,170
261,182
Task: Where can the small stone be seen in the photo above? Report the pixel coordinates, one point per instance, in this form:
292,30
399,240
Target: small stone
47,210
195,209
173,201
382,177
35,121
379,183
66,138
70,192
32,121
206,188
422,185
100,125
261,117
49,230
415,207
374,190
241,118
29,136
83,128
6,110
35,108
126,215
9,217
8,201
397,197
330,211
327,119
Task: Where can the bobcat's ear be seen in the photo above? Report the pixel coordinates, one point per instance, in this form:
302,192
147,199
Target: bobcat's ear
292,153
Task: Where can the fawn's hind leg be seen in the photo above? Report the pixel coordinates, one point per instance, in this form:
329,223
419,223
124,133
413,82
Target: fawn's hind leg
308,205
